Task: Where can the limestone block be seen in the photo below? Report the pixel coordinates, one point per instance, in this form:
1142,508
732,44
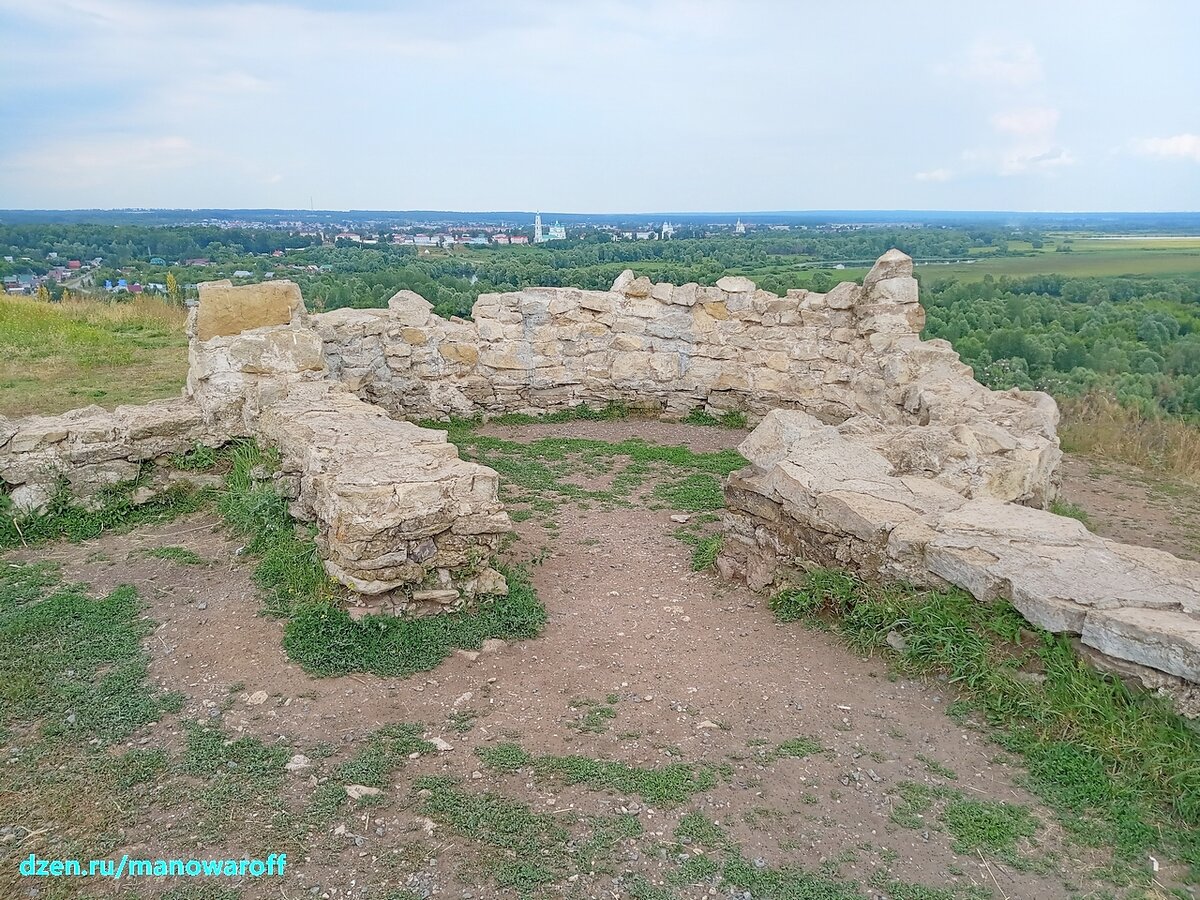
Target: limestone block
842,296
893,264
465,354
227,310
638,287
622,282
598,301
278,350
1161,639
900,290
684,294
631,366
735,284
665,366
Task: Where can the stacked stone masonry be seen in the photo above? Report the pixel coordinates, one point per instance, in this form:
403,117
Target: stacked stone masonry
876,451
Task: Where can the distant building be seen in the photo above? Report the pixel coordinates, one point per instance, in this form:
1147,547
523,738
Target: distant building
242,273
644,235
348,236
157,261
52,255
538,237
739,228
519,239
558,232
74,264
667,232
500,239
198,261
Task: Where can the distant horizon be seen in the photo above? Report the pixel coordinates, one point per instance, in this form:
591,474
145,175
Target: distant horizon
650,212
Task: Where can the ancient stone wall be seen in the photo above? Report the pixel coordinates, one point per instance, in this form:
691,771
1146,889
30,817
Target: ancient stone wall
855,351
876,451
847,497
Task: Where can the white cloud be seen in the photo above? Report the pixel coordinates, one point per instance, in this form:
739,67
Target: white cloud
998,63
1178,146
1018,162
1035,121
934,175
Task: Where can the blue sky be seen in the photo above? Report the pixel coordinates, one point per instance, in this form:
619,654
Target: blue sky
601,106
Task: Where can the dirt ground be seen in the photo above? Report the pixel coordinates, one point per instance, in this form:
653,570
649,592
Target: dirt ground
1129,505
699,670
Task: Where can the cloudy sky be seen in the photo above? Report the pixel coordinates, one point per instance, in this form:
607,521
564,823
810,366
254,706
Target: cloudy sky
601,106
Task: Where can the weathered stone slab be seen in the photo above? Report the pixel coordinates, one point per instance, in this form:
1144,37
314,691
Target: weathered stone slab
225,309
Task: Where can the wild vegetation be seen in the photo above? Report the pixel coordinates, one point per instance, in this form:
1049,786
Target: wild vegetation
55,357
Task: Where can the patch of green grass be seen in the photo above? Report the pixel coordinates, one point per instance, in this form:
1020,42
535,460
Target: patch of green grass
705,548
902,890
583,413
463,721
787,882
1119,766
181,555
1071,511
199,459
934,767
988,825
595,716
504,757
667,785
698,492
289,571
702,831
535,472
137,767
234,790
639,887
326,641
728,419
521,850
387,749
797,748
695,869
822,590
73,664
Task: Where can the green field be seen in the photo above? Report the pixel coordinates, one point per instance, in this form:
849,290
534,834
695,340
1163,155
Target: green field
55,357
1103,260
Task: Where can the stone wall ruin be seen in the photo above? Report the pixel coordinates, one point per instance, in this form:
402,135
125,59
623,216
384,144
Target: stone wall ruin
876,452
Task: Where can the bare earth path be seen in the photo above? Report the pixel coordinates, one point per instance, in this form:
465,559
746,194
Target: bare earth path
693,669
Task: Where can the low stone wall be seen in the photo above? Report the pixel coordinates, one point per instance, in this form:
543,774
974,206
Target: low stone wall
855,351
89,449
402,522
851,498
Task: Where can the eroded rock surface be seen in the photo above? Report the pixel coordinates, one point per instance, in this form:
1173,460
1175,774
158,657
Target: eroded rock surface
847,497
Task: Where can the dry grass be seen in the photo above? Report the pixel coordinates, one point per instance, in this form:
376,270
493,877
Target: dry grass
54,357
1098,425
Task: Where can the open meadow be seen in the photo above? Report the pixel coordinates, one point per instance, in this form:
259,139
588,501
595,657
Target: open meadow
55,357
